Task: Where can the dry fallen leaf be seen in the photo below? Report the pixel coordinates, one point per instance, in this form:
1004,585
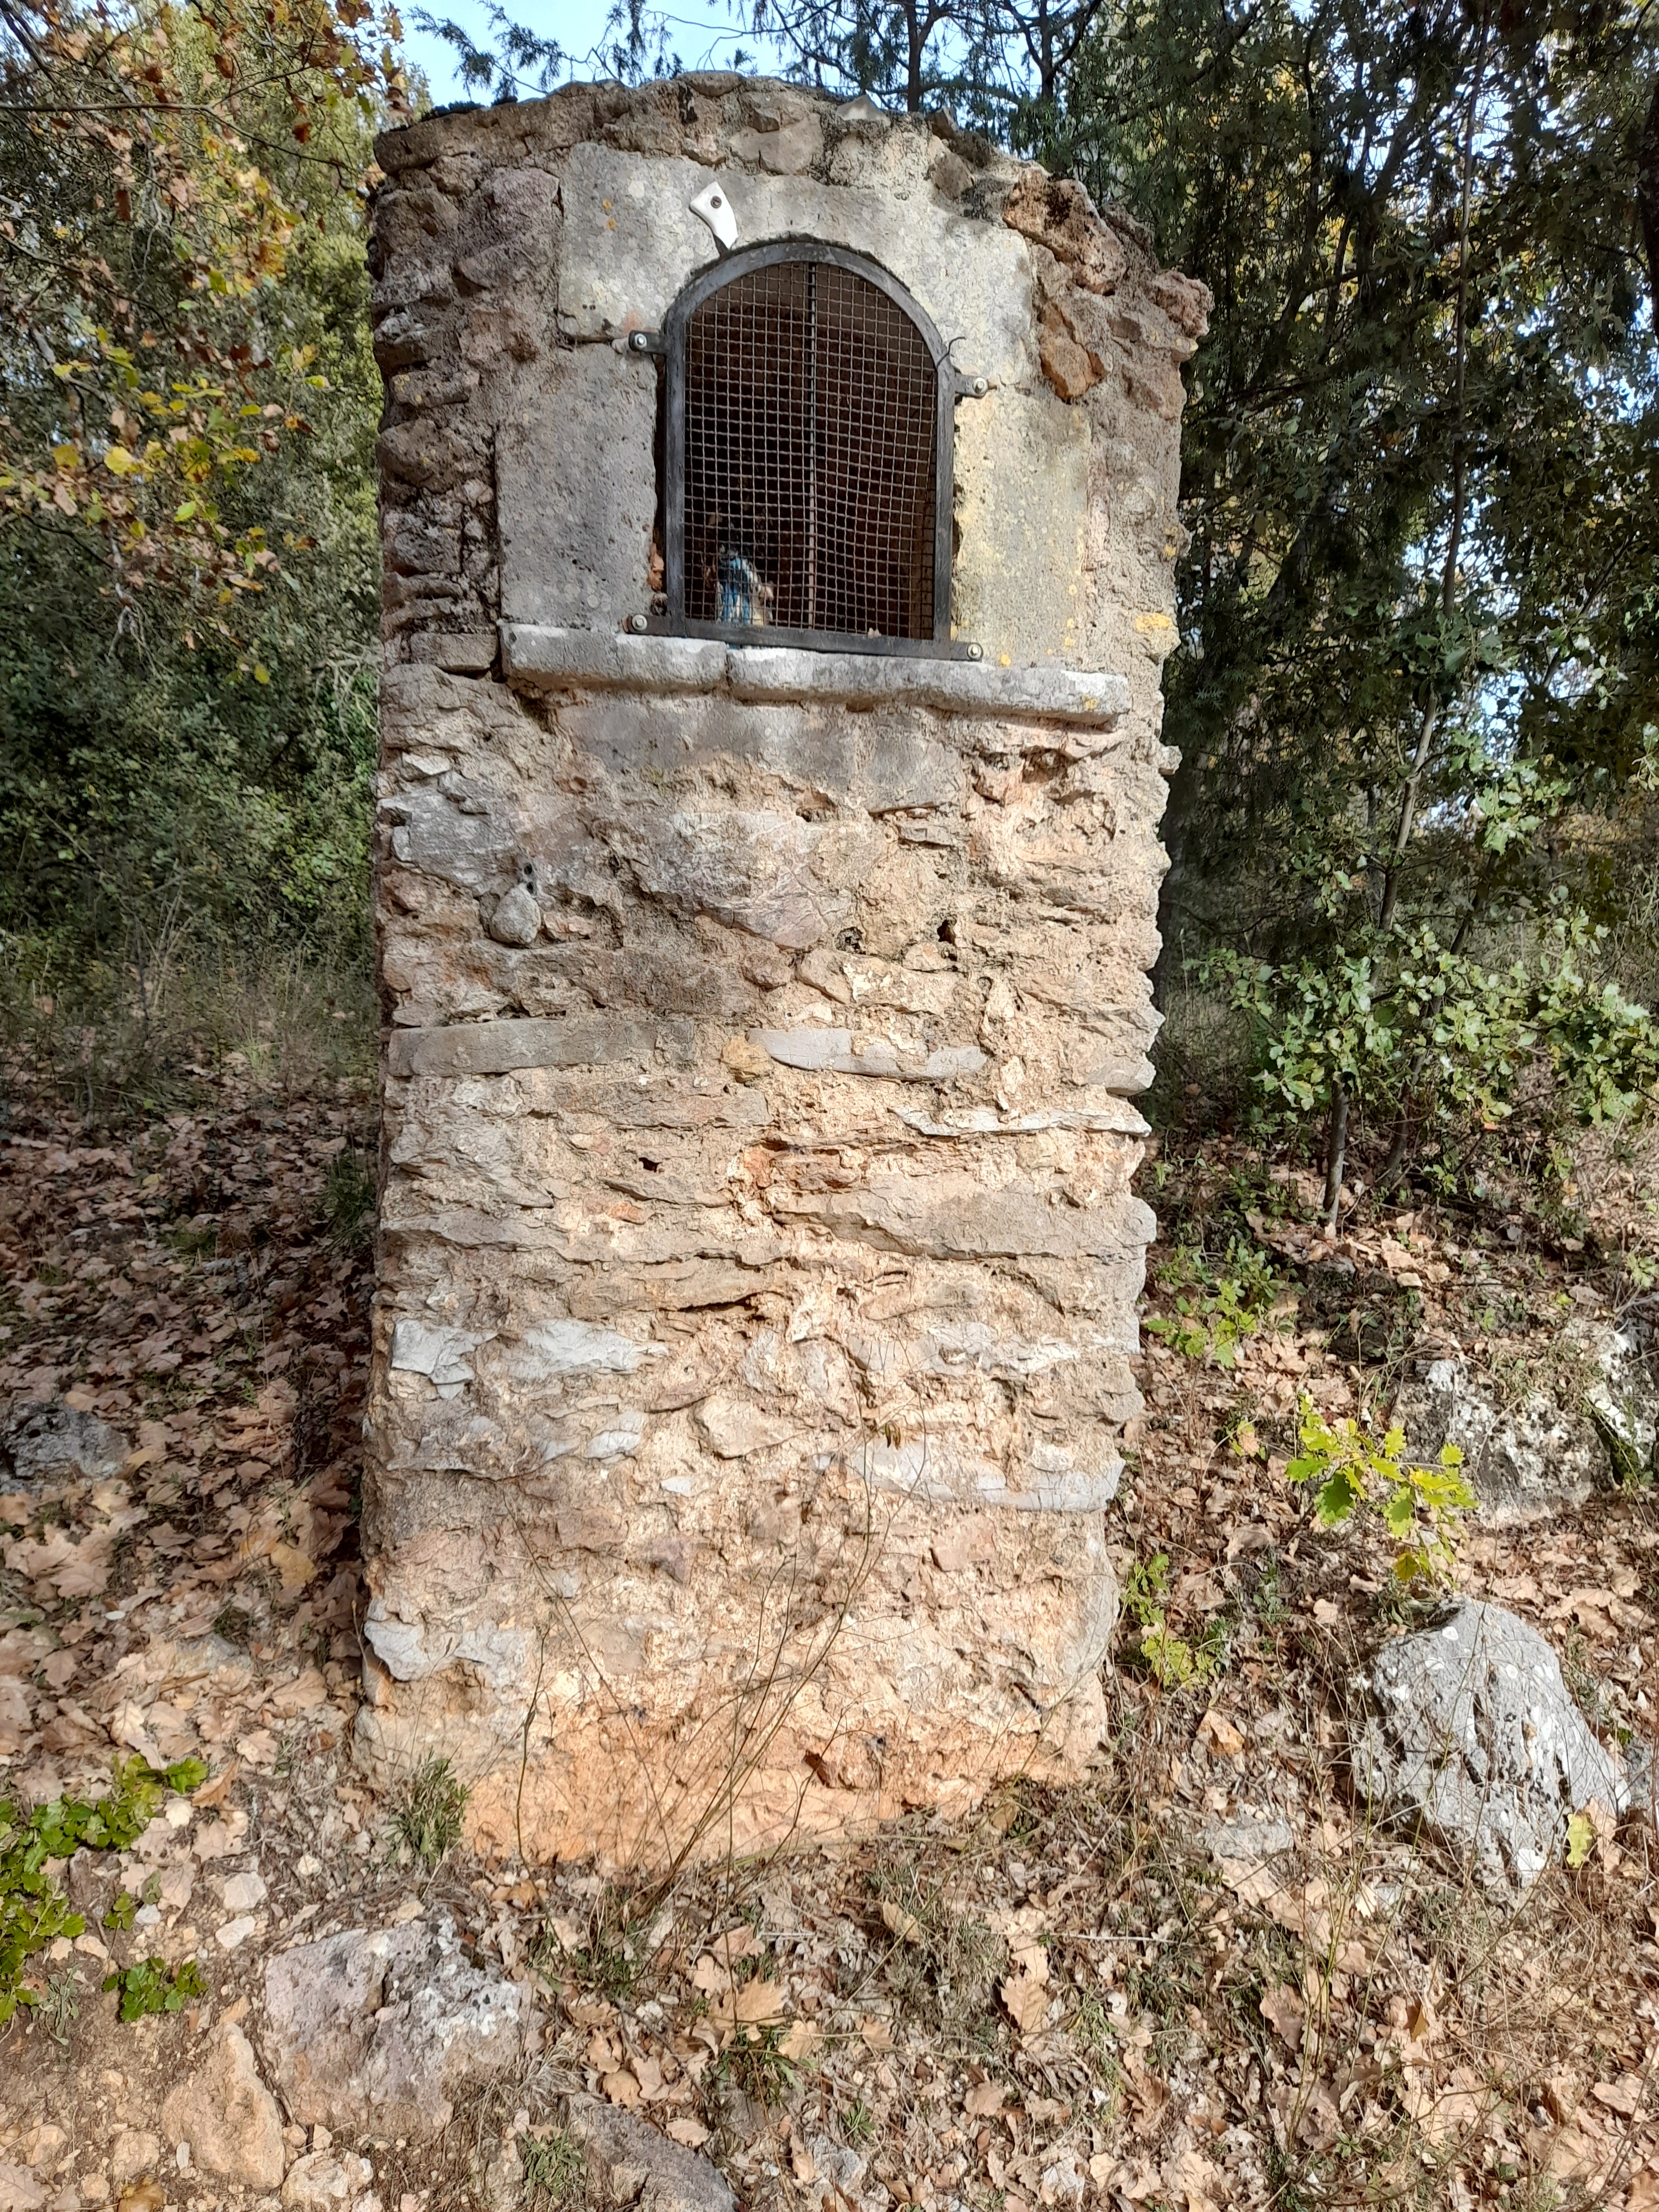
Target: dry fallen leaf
1025,1992
621,2089
295,1569
1191,2177
1624,2095
1422,2023
905,1925
984,2099
877,2034
1285,2014
648,2072
800,2041
750,2005
690,2133
304,1694
1222,1733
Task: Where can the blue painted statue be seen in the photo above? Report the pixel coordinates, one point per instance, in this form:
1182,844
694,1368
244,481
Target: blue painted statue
745,596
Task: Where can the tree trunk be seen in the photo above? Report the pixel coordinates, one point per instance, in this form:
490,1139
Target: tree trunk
1336,1149
1647,202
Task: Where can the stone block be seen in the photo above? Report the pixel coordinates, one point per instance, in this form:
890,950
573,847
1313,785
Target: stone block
577,490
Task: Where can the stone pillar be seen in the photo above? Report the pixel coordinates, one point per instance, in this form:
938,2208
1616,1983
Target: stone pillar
757,1260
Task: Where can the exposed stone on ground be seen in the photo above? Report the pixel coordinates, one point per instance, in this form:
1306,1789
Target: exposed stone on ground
640,2167
1545,1454
1623,1399
134,2151
57,1443
1469,1731
326,2181
1523,1461
226,2114
378,2029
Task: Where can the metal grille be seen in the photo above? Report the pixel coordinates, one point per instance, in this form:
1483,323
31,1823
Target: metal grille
811,411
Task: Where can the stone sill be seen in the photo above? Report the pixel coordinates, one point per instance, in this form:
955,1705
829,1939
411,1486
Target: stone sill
535,657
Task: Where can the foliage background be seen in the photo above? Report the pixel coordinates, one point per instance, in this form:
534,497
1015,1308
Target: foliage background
188,597
1415,833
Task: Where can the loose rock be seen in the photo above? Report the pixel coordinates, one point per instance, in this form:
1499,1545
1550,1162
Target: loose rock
228,2116
134,2151
382,2026
1470,1732
325,2179
642,2168
1523,1462
57,1443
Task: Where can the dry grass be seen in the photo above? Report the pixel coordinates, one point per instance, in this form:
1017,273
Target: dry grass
120,1044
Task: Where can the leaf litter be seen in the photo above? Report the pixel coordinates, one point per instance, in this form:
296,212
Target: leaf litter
1202,1981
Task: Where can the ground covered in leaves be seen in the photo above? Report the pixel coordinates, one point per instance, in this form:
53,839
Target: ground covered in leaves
1206,1982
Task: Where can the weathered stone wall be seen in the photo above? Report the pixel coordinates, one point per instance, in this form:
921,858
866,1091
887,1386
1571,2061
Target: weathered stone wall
758,1259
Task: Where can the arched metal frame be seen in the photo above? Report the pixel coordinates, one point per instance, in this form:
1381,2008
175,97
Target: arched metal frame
672,343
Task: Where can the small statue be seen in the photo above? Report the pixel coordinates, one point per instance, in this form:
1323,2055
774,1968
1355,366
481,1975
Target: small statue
747,598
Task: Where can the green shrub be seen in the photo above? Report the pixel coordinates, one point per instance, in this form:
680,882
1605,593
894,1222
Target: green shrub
149,1987
1420,1507
33,1911
427,1816
1215,1310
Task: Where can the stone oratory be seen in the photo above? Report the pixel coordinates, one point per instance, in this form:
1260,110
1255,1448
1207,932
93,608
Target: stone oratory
779,507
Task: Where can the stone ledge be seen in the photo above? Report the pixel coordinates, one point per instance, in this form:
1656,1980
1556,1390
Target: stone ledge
504,1048
537,658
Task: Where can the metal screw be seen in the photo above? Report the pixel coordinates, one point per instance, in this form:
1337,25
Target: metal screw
636,341
976,652
636,623
979,387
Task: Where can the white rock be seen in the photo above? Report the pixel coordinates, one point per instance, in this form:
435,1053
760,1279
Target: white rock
380,2028
235,1933
1471,1734
244,1892
325,2179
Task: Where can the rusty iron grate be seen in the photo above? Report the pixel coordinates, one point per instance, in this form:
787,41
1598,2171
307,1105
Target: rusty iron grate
811,406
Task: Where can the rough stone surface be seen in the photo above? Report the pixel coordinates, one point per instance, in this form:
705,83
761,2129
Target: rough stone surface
1546,1453
1623,1400
226,2114
326,2181
758,1255
1470,1732
57,1442
641,2167
379,2029
540,658
1523,1461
